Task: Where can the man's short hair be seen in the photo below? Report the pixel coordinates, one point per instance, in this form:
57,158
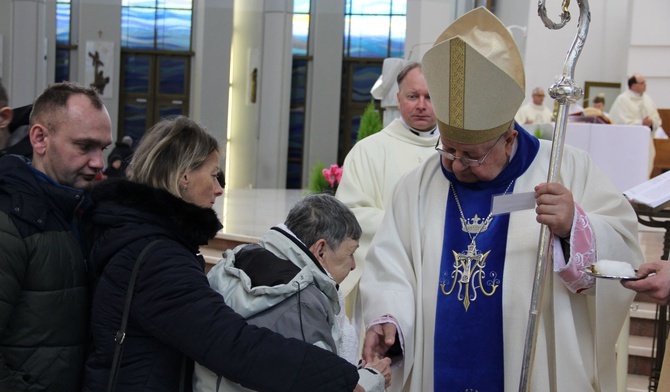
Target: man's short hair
631,81
599,99
54,100
405,71
4,99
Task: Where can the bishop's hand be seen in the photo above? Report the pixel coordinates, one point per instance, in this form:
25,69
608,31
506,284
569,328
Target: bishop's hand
555,208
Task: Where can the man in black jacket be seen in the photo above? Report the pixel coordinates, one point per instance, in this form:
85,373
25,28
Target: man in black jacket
43,278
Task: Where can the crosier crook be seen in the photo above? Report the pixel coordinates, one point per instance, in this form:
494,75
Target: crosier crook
565,92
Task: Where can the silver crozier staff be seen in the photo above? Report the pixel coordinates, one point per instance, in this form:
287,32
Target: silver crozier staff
565,91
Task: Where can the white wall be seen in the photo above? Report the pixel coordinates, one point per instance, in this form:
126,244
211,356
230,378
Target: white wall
649,51
601,59
420,36
100,20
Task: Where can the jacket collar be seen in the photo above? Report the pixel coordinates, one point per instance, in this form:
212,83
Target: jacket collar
122,200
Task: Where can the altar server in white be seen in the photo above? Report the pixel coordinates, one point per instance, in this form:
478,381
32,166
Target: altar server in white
374,165
447,286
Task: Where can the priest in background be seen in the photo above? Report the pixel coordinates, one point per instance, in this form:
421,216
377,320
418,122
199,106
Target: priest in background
534,112
634,107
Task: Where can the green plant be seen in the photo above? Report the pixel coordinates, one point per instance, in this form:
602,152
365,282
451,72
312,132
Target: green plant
317,182
371,122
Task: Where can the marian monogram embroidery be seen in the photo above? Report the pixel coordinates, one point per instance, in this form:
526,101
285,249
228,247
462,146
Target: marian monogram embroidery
470,276
469,273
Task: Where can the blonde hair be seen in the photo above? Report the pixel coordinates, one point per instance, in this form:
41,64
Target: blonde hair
169,149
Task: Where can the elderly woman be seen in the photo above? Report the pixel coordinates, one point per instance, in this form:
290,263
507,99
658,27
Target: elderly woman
174,316
289,283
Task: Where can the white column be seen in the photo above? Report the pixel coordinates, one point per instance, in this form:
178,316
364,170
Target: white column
322,117
27,51
210,68
274,94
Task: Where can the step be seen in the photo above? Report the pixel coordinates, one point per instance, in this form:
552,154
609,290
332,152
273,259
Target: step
643,310
640,346
637,383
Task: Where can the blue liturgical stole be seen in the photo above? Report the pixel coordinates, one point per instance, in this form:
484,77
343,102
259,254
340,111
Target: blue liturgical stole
468,348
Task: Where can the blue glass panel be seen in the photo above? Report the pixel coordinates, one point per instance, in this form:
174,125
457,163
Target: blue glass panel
295,147
134,120
137,28
181,4
367,36
370,7
139,3
173,29
298,82
62,66
136,74
63,23
399,7
398,34
364,76
170,111
172,76
301,6
300,34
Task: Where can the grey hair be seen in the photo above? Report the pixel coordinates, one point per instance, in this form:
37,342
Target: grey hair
168,150
323,216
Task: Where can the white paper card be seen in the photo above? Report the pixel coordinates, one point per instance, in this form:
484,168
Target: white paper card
503,204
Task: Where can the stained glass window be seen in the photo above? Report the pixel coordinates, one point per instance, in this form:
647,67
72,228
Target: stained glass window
301,60
156,24
374,28
63,40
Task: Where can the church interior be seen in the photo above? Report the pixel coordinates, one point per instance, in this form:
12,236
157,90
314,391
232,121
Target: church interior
283,84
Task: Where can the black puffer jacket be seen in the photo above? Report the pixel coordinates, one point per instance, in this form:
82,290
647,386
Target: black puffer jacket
175,314
43,284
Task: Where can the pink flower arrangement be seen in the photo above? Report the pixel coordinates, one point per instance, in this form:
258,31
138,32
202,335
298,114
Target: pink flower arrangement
333,175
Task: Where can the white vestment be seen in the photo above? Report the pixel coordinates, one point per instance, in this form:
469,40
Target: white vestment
403,268
370,171
537,114
630,108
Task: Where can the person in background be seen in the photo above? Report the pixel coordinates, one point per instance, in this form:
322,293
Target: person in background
289,283
534,112
599,103
175,317
6,115
634,106
596,113
117,162
43,272
448,282
374,165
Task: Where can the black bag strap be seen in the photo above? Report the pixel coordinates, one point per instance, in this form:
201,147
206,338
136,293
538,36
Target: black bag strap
120,336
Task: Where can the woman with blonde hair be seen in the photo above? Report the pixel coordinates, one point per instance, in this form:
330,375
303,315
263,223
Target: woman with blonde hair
153,312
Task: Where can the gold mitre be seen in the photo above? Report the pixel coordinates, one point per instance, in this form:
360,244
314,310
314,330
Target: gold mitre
475,78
